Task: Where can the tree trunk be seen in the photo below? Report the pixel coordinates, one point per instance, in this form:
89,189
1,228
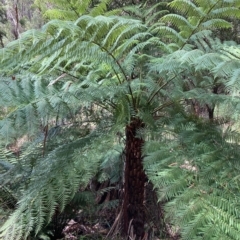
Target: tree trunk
211,109
134,180
210,112
1,41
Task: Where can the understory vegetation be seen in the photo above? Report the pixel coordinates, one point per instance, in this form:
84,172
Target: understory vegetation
120,120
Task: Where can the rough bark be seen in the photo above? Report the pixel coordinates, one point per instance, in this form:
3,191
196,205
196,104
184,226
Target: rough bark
13,16
210,112
134,180
211,109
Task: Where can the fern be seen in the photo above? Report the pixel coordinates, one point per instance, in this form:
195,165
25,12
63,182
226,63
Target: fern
105,71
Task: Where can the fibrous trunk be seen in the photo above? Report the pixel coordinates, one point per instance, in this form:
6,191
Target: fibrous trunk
134,180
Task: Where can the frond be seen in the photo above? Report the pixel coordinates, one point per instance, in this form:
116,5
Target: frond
60,14
168,33
100,9
74,9
47,195
177,21
187,7
226,12
216,24
194,183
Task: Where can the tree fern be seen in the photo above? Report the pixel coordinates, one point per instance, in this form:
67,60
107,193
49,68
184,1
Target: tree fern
134,77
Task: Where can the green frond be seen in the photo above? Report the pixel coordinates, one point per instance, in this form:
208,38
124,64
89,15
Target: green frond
226,12
100,9
204,4
74,9
150,21
168,33
229,67
60,14
234,78
216,23
177,21
190,56
192,177
187,7
155,9
47,195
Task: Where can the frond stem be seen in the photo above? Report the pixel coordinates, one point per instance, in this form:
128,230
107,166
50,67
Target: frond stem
121,69
115,60
67,73
102,106
162,86
231,53
73,9
111,104
200,21
163,106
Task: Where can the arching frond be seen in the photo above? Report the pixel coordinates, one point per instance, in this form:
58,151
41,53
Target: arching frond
195,182
72,10
46,195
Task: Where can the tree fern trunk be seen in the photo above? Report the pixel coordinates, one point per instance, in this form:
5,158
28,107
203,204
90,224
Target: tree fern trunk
133,208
